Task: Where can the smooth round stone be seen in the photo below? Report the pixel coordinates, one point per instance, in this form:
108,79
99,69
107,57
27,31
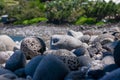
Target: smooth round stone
107,60
67,57
114,75
85,61
4,56
81,51
32,65
75,34
85,38
32,46
116,54
6,43
51,68
64,42
16,61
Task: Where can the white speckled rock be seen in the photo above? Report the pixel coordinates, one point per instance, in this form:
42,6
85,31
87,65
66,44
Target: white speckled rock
67,57
32,46
6,43
75,34
64,42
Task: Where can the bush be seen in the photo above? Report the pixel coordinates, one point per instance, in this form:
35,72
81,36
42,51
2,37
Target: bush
85,20
61,11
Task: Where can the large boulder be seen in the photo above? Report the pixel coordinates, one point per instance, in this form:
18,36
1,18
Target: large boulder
16,61
32,46
64,42
6,43
51,68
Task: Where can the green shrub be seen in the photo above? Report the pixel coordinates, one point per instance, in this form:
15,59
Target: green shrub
63,10
100,23
34,20
85,20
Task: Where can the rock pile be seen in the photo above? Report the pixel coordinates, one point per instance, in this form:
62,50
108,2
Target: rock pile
73,56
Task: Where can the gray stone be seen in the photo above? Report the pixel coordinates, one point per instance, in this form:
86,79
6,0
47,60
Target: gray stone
6,43
75,34
85,38
16,61
81,51
104,39
64,42
32,46
50,68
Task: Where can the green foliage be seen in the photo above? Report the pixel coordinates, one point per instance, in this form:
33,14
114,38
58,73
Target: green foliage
63,10
85,20
32,21
100,23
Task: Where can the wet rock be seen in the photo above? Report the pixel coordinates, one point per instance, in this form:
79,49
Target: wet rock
32,65
116,54
50,68
16,61
6,43
114,75
32,46
64,42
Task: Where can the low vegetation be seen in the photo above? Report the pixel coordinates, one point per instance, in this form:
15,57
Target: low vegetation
78,12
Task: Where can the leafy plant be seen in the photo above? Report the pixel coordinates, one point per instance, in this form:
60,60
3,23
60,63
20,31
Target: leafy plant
85,20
